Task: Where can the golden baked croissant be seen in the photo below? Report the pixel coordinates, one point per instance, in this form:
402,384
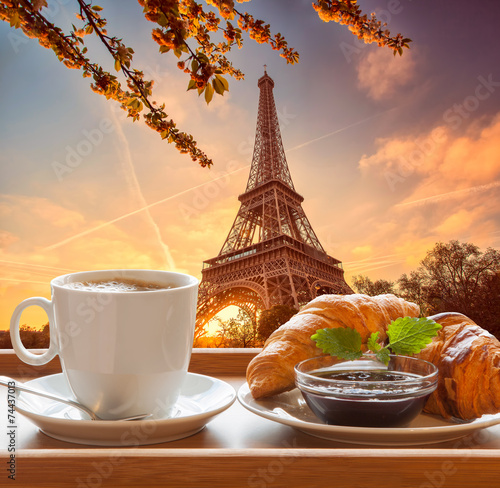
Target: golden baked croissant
468,359
272,370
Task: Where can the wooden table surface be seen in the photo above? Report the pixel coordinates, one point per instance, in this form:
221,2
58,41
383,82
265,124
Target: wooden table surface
240,449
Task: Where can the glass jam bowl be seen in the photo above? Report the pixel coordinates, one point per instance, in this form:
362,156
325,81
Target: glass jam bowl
365,392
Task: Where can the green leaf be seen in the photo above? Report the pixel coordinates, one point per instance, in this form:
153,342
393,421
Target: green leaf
409,335
191,85
343,343
383,355
372,343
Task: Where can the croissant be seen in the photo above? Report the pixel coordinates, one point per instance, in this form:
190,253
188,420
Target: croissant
468,359
272,370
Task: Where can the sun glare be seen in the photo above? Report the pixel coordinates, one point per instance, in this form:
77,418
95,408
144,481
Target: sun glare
224,315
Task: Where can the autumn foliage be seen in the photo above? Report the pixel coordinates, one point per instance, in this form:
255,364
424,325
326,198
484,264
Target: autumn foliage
184,28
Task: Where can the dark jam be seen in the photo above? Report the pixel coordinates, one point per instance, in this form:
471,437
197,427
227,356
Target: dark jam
363,409
374,375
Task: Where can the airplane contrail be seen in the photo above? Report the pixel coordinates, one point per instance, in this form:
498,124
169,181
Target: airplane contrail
373,265
372,268
371,258
450,194
24,281
324,136
139,210
135,188
146,207
374,262
32,265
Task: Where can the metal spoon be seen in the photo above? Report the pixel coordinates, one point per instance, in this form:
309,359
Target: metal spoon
11,383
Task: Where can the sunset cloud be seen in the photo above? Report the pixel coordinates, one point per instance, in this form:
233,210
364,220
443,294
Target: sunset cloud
381,74
362,251
7,238
456,223
439,159
38,215
430,187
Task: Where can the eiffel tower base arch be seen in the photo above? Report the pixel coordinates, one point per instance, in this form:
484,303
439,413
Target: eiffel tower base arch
273,274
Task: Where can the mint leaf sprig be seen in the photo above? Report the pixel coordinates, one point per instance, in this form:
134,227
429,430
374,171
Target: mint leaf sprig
407,335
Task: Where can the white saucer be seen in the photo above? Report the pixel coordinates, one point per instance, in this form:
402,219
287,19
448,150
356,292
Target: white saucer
291,409
201,399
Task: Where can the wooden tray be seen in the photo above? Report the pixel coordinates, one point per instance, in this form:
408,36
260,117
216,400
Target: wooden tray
240,449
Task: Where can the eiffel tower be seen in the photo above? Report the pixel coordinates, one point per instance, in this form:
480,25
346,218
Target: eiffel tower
271,255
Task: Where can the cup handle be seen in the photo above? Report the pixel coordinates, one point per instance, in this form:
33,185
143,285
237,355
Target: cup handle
23,354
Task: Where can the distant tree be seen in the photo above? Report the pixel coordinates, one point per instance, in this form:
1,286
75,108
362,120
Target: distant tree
238,332
453,277
5,342
365,285
458,277
202,337
272,318
412,288
31,338
487,305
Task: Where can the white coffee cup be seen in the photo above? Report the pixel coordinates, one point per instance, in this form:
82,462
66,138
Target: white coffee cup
123,353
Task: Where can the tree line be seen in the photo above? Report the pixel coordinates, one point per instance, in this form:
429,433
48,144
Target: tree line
31,337
244,330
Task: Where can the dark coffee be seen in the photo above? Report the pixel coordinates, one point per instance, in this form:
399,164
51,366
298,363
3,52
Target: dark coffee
118,285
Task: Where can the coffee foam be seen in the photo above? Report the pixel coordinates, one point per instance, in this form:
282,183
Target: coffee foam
117,285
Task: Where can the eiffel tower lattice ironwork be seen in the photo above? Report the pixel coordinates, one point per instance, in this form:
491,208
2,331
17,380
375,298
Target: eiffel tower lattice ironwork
271,255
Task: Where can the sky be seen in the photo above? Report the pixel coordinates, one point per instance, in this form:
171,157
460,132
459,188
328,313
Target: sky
391,154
